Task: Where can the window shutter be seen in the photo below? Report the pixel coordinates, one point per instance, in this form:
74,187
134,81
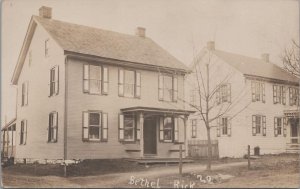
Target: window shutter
264,125
105,80
138,131
290,96
161,128
228,127
284,126
218,127
253,125
56,79
86,77
175,88
160,87
138,84
283,95
85,126
55,121
25,132
176,130
104,127
274,94
49,127
26,92
121,127
253,91
121,82
217,96
275,127
263,92
229,92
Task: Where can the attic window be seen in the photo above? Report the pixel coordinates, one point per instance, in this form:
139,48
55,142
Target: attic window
46,47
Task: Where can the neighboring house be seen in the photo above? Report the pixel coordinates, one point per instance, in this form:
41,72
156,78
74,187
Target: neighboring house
88,93
8,133
263,101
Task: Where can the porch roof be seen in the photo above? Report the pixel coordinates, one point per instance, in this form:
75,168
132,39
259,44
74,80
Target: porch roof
157,110
10,123
291,113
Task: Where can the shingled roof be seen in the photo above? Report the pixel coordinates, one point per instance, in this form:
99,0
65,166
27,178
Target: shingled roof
255,67
109,44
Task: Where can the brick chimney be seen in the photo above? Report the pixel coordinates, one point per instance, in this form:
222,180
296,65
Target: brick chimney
141,32
45,12
210,45
265,57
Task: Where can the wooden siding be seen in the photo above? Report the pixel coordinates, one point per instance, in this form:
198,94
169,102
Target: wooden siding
241,125
78,102
39,103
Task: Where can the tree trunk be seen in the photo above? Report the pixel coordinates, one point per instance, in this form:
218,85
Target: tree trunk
208,166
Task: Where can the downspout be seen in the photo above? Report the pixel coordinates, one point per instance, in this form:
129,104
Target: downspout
66,108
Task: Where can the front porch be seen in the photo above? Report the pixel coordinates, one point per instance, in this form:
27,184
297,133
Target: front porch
293,131
160,132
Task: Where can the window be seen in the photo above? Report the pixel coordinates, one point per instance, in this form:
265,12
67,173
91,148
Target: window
223,93
224,125
279,94
128,128
46,47
195,98
95,79
95,126
258,125
166,129
129,83
293,96
53,127
194,128
279,126
167,88
24,100
258,91
54,81
29,58
23,132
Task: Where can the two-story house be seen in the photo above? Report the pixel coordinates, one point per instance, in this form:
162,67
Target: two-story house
252,102
88,93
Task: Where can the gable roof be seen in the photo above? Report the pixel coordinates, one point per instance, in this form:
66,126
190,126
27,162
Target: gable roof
108,44
101,43
255,67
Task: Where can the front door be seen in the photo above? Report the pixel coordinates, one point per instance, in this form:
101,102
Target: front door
150,136
294,130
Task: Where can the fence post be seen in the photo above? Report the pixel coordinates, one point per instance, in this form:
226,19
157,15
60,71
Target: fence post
180,160
248,157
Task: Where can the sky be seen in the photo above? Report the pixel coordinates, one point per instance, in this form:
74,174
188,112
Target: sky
247,27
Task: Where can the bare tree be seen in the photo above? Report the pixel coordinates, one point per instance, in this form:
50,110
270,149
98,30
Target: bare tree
208,89
290,59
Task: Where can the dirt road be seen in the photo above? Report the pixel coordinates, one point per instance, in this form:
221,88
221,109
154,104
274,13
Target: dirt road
109,180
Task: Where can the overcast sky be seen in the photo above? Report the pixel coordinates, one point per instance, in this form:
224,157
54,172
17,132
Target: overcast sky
248,27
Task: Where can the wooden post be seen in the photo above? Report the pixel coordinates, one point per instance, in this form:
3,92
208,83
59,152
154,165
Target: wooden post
248,157
65,169
180,160
141,122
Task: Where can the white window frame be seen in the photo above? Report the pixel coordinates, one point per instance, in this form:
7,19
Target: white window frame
194,128
162,88
136,85
23,132
54,81
103,126
103,81
24,94
258,91
53,127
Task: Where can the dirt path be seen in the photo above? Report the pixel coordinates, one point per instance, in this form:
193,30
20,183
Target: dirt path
109,180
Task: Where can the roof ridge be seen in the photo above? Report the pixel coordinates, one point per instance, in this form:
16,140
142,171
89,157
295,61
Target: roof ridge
90,27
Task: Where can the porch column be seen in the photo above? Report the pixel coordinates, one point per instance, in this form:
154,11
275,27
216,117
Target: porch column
141,122
185,135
